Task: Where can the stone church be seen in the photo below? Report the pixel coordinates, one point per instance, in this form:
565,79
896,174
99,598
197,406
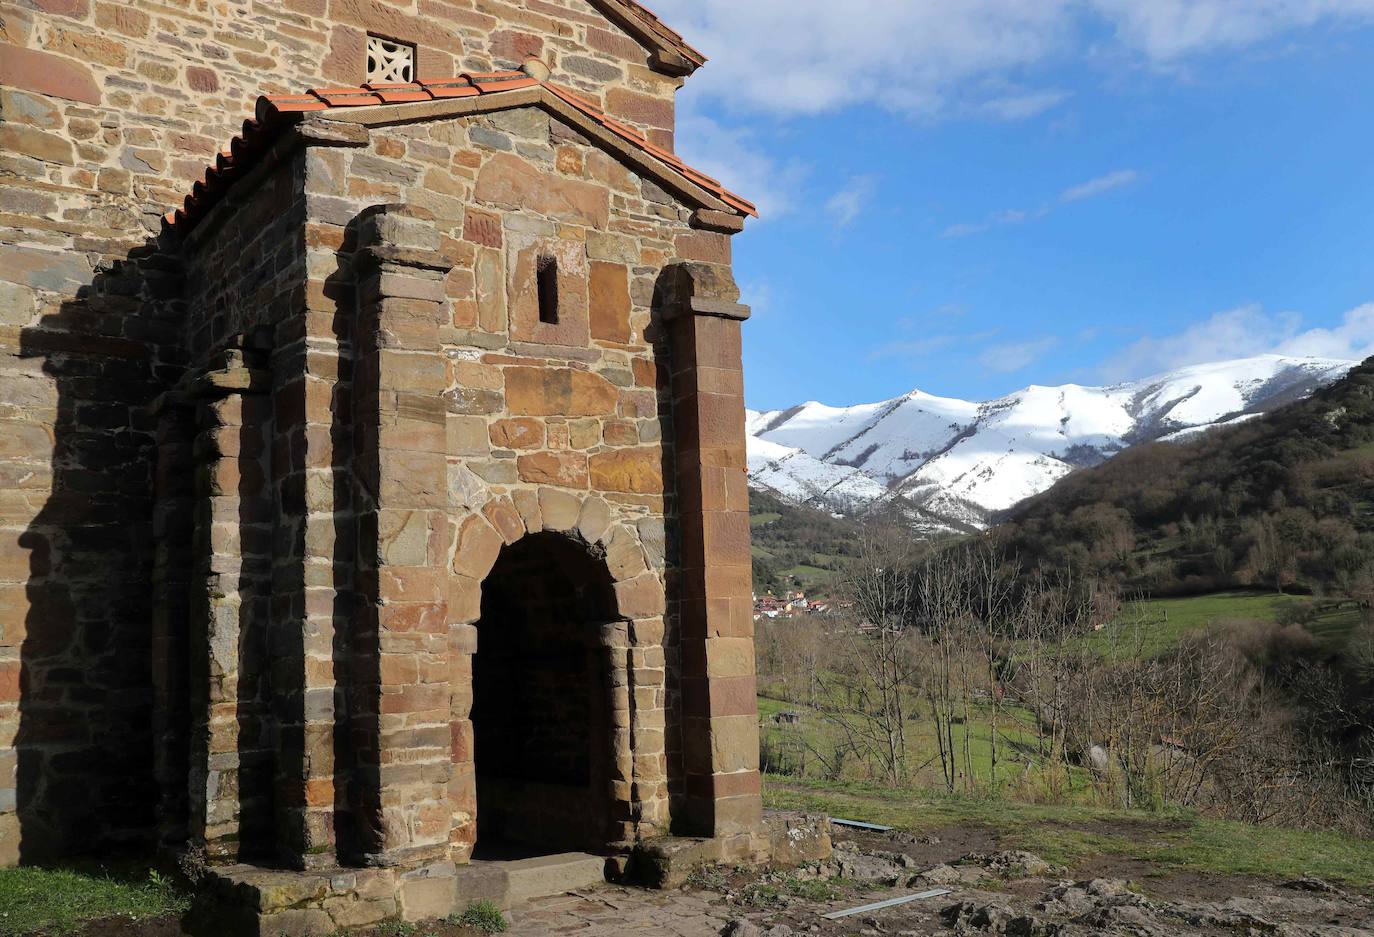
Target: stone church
372,468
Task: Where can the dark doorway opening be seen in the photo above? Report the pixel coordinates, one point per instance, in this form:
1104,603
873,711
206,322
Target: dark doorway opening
541,691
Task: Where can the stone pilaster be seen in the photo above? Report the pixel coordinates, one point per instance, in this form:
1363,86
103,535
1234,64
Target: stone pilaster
719,707
402,690
229,747
309,583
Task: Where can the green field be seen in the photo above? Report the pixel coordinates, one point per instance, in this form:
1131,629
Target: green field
811,744
1071,835
809,577
1162,622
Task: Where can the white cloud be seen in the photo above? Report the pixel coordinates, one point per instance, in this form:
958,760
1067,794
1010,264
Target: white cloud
913,56
934,57
998,219
736,157
963,230
925,347
1244,332
1353,339
1022,106
759,295
1166,30
914,348
852,198
1014,216
1099,186
1013,356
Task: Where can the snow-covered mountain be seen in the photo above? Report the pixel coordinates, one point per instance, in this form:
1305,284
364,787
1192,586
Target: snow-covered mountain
950,464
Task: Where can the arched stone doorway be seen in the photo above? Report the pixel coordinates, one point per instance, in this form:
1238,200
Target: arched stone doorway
543,700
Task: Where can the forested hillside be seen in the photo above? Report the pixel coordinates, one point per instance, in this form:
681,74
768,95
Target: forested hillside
1284,501
796,546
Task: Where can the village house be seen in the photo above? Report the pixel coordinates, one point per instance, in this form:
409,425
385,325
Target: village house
790,604
372,466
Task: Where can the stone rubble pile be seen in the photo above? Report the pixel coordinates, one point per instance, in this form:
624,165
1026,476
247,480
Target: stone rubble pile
1305,907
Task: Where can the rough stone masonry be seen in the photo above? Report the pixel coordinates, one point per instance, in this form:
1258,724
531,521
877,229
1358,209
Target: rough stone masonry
379,492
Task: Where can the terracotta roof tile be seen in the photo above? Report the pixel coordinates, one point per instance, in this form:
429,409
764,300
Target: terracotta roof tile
274,111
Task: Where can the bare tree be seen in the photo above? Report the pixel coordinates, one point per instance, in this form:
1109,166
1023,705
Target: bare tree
865,696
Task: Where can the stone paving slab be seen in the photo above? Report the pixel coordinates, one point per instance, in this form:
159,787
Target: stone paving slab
612,910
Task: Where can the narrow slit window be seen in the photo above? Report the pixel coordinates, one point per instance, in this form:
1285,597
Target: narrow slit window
547,283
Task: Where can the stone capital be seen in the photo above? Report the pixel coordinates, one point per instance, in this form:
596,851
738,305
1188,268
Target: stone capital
375,257
398,235
698,289
721,309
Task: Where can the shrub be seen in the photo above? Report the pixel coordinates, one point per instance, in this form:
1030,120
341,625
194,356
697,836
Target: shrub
483,916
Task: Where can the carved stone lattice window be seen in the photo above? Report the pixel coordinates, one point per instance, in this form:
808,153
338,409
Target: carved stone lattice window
388,60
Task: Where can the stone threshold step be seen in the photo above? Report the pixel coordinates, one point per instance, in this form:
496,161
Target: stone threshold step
515,881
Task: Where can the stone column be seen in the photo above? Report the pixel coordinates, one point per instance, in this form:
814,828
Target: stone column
613,655
232,549
647,673
403,681
719,708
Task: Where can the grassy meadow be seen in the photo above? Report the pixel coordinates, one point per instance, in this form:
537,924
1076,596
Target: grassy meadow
1162,622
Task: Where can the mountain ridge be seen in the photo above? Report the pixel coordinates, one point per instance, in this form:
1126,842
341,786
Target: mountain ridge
952,465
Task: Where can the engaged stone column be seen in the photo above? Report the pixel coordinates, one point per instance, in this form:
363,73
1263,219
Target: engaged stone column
311,580
613,644
719,708
403,681
229,806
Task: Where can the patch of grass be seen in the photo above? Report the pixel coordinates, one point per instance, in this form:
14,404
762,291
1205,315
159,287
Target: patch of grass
1069,835
60,900
774,891
482,916
816,889
763,520
708,878
396,929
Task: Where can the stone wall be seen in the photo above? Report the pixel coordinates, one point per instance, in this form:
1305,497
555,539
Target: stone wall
114,107
108,112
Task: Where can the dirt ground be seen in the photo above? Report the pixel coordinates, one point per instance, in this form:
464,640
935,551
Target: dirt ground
991,892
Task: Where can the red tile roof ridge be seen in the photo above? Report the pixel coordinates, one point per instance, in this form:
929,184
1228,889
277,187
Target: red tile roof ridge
273,110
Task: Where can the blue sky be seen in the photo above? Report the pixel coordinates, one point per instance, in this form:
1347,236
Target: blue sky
971,197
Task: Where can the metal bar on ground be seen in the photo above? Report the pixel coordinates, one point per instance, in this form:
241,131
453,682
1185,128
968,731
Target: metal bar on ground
889,903
860,824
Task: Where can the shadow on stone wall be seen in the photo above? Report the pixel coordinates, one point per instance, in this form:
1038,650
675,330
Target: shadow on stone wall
84,743
658,337
357,666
